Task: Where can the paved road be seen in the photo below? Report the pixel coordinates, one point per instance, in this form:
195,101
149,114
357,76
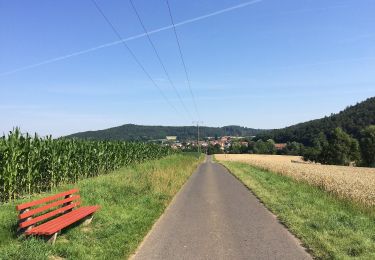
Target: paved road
215,217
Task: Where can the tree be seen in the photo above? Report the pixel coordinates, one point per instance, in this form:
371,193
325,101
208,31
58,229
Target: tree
270,144
293,148
314,153
341,149
214,149
262,147
235,148
367,144
250,147
337,148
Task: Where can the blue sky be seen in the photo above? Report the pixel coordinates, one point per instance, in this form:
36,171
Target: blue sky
261,64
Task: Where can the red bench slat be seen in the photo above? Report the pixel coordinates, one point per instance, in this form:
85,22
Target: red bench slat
48,206
63,221
40,201
69,220
57,222
43,227
48,215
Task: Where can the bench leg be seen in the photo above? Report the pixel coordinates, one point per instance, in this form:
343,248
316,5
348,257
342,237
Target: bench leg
20,230
88,220
52,239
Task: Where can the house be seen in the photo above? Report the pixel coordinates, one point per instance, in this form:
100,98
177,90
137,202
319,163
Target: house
246,144
225,138
280,146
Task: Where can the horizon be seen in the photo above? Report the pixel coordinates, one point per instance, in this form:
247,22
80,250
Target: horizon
259,64
228,125
213,126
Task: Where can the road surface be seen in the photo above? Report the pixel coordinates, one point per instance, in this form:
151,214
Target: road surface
215,216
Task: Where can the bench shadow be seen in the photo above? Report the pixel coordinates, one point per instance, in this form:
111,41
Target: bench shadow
77,224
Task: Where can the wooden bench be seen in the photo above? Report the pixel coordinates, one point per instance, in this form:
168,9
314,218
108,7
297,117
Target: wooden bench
48,216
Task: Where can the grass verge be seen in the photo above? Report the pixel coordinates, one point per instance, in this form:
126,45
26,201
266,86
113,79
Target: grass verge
131,200
329,227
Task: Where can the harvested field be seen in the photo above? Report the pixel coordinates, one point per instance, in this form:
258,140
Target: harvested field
354,183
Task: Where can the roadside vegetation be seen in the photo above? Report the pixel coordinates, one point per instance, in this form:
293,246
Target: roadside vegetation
329,227
131,199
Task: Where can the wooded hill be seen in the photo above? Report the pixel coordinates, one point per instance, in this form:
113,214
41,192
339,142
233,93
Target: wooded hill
131,132
352,120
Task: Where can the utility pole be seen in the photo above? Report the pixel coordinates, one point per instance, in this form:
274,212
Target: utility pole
198,122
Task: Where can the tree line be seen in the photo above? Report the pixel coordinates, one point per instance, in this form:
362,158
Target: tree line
337,148
352,120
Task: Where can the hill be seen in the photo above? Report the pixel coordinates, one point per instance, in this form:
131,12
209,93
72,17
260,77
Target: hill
353,119
133,132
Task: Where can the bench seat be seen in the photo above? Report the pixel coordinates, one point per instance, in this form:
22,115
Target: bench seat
57,224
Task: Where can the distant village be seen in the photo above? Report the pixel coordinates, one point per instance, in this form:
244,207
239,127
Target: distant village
223,144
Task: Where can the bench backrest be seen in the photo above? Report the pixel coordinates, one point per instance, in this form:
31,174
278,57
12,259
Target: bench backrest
33,212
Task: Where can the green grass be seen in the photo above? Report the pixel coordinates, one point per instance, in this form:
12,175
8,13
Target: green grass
329,227
131,198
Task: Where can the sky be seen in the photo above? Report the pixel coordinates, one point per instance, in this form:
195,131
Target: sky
259,64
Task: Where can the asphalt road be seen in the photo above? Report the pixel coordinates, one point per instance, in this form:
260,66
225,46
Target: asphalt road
215,216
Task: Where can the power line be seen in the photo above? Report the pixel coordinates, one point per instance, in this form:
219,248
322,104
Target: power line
110,44
182,58
159,58
133,54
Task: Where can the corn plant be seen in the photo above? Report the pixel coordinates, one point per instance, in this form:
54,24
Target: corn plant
31,164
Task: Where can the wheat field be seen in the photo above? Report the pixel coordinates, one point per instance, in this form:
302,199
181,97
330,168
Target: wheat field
354,183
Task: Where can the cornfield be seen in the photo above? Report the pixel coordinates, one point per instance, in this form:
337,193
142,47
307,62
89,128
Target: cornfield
30,164
353,183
